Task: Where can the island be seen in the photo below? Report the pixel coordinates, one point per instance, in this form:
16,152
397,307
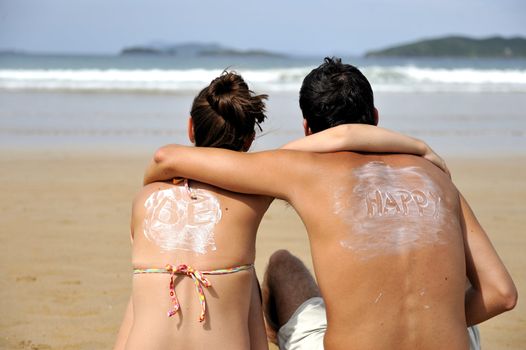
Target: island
138,50
195,49
246,53
457,46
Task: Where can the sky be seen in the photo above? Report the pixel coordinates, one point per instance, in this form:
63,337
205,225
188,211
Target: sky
301,27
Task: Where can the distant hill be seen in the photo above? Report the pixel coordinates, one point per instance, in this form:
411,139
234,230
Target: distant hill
160,48
230,52
138,50
457,46
193,49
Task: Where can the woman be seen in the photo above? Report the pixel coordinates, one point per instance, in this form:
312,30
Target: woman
194,284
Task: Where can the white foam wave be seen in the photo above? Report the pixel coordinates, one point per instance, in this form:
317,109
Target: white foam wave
393,78
411,78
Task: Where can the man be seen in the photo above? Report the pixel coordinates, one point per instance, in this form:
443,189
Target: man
392,240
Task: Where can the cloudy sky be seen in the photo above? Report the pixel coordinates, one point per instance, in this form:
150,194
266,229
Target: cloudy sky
294,26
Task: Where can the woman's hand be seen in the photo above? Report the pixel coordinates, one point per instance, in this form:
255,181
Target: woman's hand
434,158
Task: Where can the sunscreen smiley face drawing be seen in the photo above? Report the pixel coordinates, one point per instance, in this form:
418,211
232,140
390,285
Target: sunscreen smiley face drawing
391,210
176,219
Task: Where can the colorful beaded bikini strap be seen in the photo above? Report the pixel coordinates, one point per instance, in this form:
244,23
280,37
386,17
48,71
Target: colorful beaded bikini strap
199,281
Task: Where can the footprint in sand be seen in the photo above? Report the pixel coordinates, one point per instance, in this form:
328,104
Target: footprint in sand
73,282
28,344
26,279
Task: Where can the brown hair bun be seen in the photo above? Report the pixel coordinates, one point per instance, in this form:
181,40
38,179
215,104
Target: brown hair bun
226,112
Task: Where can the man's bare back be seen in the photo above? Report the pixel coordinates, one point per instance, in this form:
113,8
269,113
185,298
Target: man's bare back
388,251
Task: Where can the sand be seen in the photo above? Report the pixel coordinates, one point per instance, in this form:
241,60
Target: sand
65,256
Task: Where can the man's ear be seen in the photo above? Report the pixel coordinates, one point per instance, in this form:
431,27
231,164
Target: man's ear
191,133
248,142
306,127
375,116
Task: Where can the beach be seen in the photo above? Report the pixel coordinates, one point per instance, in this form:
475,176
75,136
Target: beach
76,134
66,249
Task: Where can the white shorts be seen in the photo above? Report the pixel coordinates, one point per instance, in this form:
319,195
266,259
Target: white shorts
306,327
474,338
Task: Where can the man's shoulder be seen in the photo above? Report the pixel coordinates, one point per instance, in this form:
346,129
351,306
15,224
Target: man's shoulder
391,165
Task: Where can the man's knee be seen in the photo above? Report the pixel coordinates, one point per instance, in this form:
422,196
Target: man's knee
287,284
284,266
280,257
282,261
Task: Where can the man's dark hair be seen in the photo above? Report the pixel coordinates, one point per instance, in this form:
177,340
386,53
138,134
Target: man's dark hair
334,94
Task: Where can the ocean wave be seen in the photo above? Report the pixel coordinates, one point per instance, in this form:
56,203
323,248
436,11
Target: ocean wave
390,79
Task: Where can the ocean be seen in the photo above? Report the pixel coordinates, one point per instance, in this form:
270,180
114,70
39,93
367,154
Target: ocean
471,107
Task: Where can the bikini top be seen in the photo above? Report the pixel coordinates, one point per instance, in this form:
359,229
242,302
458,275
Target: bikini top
199,280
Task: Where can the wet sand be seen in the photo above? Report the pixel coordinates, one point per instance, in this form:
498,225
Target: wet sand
65,254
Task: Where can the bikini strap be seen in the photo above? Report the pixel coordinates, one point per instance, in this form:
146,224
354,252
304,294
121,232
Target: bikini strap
191,193
228,270
199,281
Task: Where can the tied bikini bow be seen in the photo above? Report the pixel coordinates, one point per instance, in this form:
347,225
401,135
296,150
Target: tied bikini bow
199,280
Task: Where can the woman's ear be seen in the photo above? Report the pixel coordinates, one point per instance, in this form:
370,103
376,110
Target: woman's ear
191,133
375,116
248,142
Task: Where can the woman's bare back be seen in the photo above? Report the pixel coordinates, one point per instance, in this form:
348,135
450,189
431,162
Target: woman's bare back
195,229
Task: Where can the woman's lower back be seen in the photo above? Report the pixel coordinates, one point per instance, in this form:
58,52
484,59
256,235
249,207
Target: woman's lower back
225,326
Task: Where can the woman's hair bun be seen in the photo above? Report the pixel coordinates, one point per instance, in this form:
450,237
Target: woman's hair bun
224,84
230,111
226,96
